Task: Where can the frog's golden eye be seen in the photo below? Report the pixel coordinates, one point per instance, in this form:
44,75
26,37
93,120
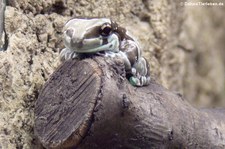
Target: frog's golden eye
105,29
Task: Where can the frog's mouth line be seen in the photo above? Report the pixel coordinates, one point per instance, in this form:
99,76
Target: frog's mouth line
88,49
95,45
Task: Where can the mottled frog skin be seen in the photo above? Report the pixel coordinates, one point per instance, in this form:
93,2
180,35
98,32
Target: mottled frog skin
105,37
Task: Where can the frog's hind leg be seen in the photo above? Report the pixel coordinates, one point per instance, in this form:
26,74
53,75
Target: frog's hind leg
140,73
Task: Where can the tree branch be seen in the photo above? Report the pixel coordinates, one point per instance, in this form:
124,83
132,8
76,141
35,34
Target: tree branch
90,104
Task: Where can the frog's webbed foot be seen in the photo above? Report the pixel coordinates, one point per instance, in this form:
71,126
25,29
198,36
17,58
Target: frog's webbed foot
67,54
140,73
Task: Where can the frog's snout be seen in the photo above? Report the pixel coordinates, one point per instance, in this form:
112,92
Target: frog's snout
69,32
75,41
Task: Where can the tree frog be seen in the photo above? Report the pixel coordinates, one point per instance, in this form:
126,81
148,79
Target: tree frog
104,36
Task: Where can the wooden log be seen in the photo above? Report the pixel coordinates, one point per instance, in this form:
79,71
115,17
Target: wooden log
90,104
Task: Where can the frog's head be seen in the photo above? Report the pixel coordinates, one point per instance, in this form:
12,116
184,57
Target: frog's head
92,35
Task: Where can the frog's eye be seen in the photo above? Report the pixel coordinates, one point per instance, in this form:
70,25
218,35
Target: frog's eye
105,29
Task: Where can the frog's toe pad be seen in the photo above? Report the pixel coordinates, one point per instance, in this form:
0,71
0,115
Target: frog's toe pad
134,81
139,81
133,71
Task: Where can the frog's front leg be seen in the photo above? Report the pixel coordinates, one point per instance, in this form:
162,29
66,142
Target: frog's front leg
67,54
140,73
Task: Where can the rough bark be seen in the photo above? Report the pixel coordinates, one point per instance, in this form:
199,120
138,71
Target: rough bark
91,102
